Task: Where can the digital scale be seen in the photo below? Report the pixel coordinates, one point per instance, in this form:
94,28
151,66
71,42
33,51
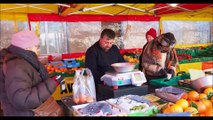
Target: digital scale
136,78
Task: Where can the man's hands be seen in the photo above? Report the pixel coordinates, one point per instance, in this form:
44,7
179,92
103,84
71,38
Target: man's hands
171,71
163,73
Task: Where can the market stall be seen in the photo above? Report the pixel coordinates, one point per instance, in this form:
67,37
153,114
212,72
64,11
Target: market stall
67,30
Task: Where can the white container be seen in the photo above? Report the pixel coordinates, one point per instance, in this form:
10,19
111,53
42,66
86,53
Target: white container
123,67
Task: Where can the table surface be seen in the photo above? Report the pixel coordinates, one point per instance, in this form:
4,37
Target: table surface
67,102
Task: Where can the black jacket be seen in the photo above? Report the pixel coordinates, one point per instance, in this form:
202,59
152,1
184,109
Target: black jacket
140,58
99,61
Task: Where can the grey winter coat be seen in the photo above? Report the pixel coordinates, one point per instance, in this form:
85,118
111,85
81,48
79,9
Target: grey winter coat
23,89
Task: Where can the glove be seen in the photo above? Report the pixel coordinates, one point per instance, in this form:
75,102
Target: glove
163,73
58,79
172,72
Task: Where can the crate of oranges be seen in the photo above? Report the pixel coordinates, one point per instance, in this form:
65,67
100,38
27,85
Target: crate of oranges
198,104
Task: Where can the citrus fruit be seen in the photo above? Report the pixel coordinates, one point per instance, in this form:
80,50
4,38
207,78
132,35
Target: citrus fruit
167,110
183,103
207,90
176,108
76,100
193,111
193,95
212,99
200,107
82,98
207,103
89,99
202,96
209,113
184,96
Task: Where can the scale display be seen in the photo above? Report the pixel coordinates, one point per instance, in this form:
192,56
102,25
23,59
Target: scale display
137,77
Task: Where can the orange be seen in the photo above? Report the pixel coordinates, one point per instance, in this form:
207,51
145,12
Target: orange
193,111
176,108
82,98
167,110
183,103
188,102
209,113
184,96
203,114
208,90
207,103
76,100
202,96
89,99
212,99
200,107
193,95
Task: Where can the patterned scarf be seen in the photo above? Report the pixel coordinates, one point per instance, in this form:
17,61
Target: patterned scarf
31,58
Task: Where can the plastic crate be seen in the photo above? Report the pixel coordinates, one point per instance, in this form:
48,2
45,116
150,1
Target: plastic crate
60,63
81,62
71,63
207,65
206,59
185,67
150,112
64,74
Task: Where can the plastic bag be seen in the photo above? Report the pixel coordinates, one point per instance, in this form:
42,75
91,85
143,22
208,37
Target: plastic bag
170,93
83,87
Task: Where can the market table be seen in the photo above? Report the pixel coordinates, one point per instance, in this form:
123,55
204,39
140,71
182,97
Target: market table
67,102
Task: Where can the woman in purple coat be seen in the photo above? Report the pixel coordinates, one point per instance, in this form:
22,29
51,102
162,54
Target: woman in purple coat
25,84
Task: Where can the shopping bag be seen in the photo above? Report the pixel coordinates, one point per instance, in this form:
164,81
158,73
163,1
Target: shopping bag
83,87
170,93
164,82
49,108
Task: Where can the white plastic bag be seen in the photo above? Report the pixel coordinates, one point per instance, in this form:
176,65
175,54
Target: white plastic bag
83,87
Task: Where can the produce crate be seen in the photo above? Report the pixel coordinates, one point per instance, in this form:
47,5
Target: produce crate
59,63
207,65
149,112
71,63
81,62
116,111
185,67
66,74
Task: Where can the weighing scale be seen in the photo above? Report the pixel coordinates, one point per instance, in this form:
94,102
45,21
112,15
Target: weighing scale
114,79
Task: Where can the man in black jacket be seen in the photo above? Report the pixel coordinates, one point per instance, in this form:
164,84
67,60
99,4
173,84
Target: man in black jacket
102,54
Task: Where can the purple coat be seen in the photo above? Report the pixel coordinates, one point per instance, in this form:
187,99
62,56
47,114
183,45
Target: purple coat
23,88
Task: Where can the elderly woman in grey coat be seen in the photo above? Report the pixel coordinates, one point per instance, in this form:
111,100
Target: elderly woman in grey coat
25,83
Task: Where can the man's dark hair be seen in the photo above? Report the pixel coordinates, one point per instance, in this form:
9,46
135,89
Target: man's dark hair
109,33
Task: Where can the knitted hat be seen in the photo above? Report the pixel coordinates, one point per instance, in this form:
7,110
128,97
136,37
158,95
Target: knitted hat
151,32
25,39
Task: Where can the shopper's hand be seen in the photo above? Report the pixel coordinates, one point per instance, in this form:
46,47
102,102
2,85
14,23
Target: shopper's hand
163,73
58,79
172,72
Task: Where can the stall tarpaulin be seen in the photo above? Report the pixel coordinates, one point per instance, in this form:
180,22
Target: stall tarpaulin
111,9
